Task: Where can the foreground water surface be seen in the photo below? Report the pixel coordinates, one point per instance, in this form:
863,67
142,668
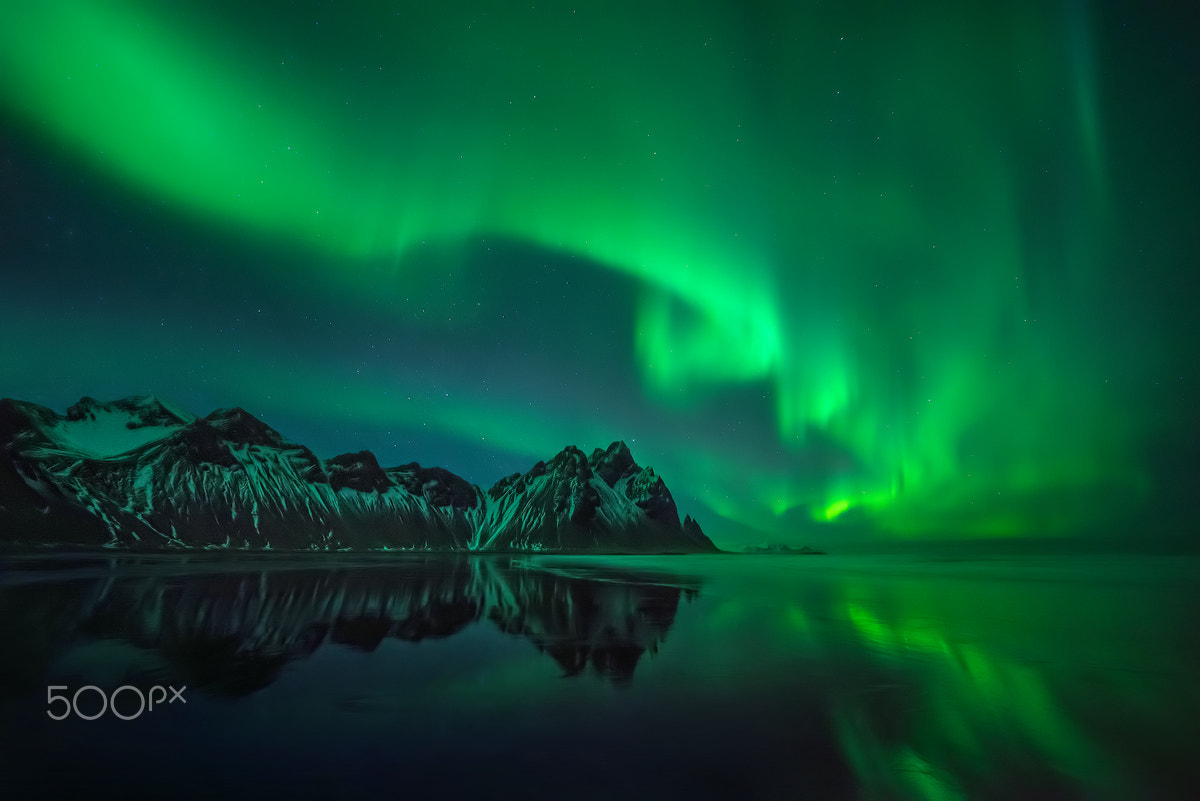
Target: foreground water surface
825,677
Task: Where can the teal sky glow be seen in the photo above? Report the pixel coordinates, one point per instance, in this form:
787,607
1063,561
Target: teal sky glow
899,271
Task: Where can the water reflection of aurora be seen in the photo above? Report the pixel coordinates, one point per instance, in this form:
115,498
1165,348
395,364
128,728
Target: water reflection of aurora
999,685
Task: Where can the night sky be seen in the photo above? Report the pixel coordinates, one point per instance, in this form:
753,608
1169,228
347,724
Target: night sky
906,270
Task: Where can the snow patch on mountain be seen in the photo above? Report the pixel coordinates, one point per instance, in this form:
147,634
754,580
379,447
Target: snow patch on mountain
99,430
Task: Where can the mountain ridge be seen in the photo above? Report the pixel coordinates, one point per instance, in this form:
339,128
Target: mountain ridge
141,473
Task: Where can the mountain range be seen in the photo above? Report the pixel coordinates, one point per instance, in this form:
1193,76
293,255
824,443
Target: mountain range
142,473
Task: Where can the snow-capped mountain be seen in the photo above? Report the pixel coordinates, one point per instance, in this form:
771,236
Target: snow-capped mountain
139,472
580,503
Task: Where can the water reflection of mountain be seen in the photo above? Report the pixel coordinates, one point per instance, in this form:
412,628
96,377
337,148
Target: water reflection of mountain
232,632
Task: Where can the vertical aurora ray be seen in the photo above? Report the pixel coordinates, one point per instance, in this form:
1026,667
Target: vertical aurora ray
895,225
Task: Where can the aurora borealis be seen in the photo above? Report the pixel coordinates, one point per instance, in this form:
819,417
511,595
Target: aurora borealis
831,269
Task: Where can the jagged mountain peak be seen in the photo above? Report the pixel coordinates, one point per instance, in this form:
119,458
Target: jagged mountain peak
570,461
437,485
602,502
215,438
143,410
87,406
650,493
613,464
239,426
357,471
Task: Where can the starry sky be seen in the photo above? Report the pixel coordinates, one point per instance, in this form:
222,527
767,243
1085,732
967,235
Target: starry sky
836,270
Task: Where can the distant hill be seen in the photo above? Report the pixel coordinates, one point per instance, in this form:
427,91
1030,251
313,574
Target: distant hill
804,549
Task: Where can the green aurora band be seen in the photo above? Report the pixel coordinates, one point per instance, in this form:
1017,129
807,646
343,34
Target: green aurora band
890,221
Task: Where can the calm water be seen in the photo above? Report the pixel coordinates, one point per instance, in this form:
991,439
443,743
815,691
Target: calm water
777,677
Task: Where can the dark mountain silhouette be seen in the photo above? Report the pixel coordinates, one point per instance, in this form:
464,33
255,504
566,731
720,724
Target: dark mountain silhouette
140,473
